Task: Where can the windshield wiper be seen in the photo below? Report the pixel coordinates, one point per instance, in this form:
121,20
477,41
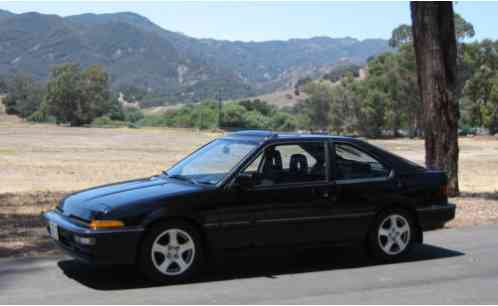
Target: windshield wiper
182,178
206,182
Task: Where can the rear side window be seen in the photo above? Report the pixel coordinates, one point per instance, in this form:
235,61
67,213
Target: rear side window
353,163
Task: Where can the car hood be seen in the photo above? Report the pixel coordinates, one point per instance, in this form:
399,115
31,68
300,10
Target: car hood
102,200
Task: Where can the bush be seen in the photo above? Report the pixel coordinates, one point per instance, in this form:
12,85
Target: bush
133,114
255,120
153,120
106,122
41,117
282,121
233,115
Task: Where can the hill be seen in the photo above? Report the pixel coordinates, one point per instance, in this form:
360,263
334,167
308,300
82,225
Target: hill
166,64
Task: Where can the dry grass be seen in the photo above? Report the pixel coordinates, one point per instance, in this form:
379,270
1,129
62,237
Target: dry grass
40,163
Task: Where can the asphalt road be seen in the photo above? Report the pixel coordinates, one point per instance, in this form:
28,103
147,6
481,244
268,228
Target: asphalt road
456,266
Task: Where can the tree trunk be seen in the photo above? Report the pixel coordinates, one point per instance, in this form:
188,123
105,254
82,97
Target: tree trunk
436,53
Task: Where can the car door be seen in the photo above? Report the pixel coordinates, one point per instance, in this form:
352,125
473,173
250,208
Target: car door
363,184
292,205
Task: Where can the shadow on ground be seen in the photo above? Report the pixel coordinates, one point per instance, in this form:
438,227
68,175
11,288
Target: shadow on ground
269,264
480,195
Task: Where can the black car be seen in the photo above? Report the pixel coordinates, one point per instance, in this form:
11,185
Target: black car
255,189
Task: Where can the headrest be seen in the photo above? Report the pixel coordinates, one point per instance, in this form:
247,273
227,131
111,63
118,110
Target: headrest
298,164
273,160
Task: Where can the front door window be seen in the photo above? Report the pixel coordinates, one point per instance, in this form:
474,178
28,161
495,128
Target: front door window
289,163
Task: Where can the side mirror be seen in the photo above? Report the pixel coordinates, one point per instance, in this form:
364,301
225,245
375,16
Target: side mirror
245,180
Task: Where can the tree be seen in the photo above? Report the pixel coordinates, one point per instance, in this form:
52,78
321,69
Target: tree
24,96
78,97
402,34
3,85
480,61
96,90
436,55
258,105
318,104
463,29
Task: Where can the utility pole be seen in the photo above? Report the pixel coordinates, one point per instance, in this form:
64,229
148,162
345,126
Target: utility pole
220,108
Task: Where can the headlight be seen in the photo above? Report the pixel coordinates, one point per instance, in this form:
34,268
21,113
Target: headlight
100,224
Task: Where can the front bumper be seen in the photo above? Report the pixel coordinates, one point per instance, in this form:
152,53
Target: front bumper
112,246
435,216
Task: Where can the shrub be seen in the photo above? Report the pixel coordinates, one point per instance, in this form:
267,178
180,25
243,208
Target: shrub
255,120
106,122
133,114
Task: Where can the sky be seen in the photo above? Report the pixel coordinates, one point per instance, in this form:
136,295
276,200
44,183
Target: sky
260,21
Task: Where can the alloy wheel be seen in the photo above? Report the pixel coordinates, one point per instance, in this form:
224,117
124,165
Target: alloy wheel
173,252
394,234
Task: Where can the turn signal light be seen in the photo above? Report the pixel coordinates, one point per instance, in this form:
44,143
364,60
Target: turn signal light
99,224
444,190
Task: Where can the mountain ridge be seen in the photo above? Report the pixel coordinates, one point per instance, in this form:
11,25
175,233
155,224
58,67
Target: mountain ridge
167,64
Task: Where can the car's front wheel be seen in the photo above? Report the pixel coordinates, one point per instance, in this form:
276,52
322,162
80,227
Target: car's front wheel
392,236
171,253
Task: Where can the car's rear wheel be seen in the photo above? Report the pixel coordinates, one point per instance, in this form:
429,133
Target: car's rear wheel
392,236
171,253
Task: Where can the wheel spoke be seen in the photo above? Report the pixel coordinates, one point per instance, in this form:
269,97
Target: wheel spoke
181,263
163,267
187,246
399,242
394,223
159,248
173,238
404,228
383,232
388,245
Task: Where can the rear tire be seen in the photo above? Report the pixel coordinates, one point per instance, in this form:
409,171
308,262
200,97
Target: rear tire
392,236
171,253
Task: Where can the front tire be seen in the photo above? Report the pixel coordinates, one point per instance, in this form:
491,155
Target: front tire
392,236
171,253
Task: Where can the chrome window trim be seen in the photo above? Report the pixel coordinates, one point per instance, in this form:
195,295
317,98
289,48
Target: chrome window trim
366,180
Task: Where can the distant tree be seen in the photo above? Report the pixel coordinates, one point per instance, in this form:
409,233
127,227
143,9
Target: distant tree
132,93
96,90
340,71
24,96
133,114
116,111
256,120
463,28
317,106
436,57
233,115
300,85
258,105
480,63
3,84
283,121
401,35
78,97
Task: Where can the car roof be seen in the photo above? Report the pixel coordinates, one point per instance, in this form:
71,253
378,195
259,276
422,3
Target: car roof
267,135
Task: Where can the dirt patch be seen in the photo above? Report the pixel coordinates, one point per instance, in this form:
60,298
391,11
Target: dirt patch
22,229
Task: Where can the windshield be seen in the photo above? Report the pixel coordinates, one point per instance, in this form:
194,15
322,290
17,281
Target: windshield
210,164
